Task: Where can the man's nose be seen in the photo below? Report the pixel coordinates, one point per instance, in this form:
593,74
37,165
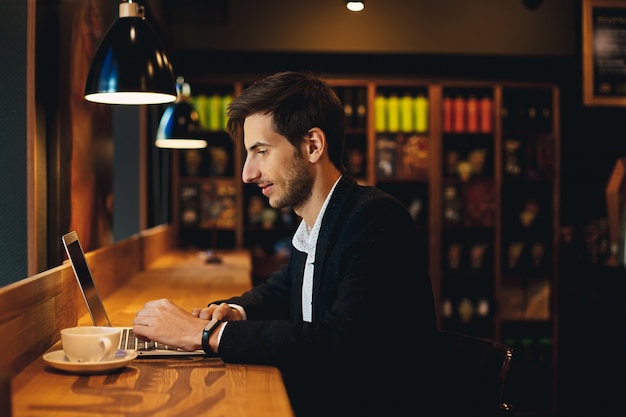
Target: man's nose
249,172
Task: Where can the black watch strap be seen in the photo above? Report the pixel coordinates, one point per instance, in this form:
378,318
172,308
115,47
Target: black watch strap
210,328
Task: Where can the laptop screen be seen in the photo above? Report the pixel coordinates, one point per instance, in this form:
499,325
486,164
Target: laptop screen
88,288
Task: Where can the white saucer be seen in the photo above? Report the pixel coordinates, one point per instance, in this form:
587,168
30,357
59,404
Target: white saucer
58,360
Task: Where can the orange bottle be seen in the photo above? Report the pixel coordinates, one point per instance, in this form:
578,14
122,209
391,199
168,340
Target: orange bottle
459,115
472,114
486,115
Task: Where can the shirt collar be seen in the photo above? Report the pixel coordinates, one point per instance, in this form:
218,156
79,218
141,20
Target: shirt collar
304,239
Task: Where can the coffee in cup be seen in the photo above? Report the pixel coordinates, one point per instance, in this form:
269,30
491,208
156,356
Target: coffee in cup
90,343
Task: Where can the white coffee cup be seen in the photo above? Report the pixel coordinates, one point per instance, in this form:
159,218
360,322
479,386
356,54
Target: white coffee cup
90,343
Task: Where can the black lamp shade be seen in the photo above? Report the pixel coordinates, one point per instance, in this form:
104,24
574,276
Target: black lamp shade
179,127
131,66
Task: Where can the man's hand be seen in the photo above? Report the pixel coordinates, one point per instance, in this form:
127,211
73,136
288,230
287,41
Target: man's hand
217,311
165,322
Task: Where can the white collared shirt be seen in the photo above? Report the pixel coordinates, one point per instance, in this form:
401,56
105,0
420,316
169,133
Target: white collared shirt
305,240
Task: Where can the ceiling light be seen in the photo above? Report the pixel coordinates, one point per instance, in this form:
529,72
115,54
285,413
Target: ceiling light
179,127
130,65
355,6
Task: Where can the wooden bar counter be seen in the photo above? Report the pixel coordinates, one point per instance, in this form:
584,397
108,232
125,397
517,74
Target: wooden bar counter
159,387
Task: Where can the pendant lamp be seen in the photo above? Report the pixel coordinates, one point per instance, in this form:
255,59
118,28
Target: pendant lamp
179,127
130,65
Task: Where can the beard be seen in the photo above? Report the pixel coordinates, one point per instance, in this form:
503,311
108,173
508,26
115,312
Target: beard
297,183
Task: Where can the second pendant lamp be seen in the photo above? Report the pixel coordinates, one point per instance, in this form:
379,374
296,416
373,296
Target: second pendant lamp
179,127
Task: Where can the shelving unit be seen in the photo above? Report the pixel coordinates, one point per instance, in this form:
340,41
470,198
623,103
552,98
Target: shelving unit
530,179
206,185
477,164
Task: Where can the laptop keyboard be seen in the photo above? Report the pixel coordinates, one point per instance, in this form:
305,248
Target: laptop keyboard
130,342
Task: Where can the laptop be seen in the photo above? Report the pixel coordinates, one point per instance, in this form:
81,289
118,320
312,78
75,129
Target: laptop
96,309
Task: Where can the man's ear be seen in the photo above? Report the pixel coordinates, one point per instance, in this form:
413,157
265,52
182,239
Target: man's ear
315,144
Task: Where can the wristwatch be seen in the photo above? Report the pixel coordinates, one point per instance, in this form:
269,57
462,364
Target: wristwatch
210,328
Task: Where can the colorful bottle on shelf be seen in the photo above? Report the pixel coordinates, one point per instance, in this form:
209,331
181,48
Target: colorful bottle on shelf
486,115
393,113
380,108
226,99
215,112
200,103
407,123
459,115
471,106
421,113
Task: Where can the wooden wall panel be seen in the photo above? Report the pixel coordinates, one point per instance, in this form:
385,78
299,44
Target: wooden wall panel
157,241
35,309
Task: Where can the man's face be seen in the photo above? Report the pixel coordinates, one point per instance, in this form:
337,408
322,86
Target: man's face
281,171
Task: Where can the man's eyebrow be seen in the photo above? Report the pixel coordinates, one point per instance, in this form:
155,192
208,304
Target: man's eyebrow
256,145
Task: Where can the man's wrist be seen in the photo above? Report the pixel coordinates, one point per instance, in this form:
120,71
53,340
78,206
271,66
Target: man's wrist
240,309
206,333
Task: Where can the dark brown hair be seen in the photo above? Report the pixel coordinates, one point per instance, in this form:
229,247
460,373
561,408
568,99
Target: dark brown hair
297,102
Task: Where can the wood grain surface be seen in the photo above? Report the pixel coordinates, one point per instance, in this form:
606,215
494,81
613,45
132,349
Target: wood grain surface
160,387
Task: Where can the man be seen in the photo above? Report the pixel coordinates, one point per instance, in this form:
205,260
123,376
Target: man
350,318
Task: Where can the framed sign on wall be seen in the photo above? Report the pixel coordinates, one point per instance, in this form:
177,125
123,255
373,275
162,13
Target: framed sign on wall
604,52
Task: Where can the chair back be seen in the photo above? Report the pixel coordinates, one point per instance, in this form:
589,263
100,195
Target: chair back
470,375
